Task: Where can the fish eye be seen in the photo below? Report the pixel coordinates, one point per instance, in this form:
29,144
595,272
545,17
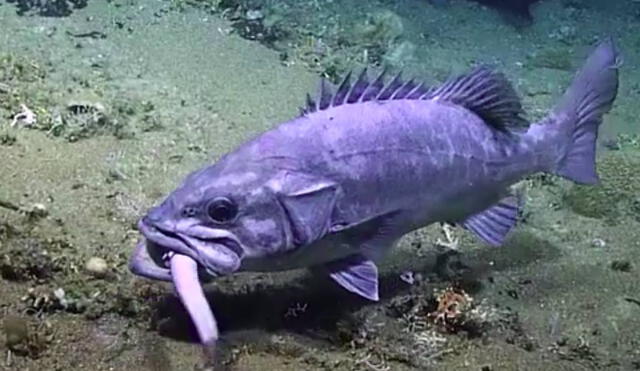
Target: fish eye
222,210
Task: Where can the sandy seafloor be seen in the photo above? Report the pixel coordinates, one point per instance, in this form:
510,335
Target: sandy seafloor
562,294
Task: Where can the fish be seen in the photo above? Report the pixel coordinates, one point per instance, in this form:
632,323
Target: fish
364,163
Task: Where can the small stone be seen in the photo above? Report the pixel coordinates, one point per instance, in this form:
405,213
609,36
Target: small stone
408,277
60,295
254,15
599,243
38,210
562,341
97,267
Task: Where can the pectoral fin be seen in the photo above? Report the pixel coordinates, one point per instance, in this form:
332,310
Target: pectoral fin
356,274
493,224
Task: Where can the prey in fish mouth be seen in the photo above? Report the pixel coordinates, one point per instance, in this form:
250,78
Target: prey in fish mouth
338,186
188,246
216,250
198,234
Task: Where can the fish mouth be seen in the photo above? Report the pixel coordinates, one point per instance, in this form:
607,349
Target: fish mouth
171,256
153,253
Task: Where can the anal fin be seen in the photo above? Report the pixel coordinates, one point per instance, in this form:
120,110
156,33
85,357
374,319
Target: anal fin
494,224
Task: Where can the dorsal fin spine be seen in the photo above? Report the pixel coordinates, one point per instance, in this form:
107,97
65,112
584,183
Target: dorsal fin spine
324,100
416,89
343,89
389,89
362,81
370,92
400,92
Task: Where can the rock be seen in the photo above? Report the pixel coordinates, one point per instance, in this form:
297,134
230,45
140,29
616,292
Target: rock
254,15
97,267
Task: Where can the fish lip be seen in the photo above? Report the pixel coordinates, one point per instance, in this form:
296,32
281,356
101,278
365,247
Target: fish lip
142,263
222,237
161,240
146,261
164,239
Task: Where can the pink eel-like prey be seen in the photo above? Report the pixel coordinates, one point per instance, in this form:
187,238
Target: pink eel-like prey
184,272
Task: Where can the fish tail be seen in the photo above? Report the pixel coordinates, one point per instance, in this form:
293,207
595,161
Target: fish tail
576,118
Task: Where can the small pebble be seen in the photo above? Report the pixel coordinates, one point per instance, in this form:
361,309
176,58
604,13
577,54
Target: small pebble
408,277
254,15
97,267
599,243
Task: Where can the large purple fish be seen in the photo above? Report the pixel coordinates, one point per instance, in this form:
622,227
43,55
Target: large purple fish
335,188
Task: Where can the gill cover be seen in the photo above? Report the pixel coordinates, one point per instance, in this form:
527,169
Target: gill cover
308,203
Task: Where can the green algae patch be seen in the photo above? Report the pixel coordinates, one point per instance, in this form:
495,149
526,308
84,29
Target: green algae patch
617,194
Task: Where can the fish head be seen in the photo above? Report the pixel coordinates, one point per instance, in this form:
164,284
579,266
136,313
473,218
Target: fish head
215,217
220,217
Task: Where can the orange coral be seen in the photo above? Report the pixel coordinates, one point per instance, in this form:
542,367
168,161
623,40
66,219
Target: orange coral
453,304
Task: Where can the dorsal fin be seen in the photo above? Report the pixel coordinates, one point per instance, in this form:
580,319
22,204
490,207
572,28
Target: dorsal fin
324,95
343,90
391,87
310,106
404,90
358,87
485,92
372,90
362,90
418,91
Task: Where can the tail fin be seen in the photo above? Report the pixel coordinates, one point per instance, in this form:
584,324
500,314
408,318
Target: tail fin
579,113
